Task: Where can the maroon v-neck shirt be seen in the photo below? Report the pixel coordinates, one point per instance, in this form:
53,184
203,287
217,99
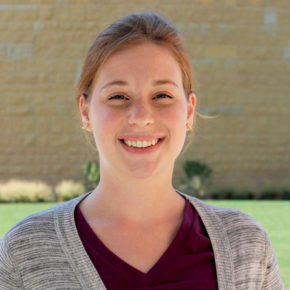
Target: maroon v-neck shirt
188,262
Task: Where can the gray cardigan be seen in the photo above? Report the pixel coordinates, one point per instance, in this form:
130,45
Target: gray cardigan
44,251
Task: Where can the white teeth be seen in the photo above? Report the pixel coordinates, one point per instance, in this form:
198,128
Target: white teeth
141,144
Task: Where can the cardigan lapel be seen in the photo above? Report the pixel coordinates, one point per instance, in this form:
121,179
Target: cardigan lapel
73,248
219,241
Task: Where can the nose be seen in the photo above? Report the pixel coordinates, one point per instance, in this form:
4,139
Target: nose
141,115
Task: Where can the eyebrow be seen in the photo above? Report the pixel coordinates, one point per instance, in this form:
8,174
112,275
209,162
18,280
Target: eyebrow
114,83
164,82
123,83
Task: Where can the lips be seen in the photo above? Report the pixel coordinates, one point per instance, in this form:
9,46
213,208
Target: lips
141,150
140,143
135,137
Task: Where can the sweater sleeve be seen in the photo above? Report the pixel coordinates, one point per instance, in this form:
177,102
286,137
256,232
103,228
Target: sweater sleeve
273,278
9,276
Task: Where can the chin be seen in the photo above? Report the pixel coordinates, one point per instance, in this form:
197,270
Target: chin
147,171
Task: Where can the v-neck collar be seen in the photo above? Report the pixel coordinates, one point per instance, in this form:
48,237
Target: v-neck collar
87,274
159,266
219,240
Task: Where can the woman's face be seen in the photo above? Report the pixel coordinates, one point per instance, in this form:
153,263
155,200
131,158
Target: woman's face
137,100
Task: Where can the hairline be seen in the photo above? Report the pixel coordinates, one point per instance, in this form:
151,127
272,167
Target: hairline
128,44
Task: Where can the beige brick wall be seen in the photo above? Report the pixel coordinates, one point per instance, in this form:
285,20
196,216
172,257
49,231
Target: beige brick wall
240,51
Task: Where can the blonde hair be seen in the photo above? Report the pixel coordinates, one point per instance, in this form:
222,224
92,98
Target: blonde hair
128,31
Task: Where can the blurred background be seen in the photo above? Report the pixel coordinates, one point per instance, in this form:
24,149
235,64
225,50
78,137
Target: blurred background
240,53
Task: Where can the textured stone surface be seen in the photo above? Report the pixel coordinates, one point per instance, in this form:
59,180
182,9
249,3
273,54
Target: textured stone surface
240,52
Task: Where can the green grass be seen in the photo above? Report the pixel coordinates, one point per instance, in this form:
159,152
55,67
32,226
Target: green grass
11,213
273,215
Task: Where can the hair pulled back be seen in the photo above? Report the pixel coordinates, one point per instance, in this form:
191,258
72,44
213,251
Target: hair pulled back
125,32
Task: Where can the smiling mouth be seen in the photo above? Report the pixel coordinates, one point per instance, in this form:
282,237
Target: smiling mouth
141,144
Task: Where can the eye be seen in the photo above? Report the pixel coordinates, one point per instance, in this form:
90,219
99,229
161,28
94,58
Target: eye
118,100
163,96
118,97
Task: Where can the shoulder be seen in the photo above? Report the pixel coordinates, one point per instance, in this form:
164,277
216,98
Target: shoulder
35,235
227,216
37,226
20,242
33,249
244,241
239,239
34,227
236,224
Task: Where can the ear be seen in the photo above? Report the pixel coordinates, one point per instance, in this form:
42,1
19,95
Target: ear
84,112
191,104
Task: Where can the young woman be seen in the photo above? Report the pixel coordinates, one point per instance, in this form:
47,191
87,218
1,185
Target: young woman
134,230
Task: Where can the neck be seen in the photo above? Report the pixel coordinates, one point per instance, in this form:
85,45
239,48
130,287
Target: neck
139,201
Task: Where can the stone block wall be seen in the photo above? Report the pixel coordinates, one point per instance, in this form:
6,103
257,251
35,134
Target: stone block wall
240,52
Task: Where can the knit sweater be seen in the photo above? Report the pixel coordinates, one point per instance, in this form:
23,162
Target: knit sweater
44,251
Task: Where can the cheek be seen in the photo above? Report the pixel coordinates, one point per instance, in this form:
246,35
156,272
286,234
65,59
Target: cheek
175,120
110,120
103,118
105,122
174,117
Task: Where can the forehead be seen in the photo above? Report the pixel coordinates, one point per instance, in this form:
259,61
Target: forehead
146,60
